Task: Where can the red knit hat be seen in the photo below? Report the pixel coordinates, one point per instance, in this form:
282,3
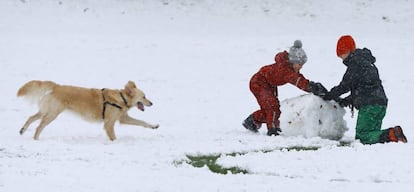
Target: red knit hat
345,44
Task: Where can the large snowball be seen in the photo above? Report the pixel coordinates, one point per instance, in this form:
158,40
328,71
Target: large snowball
311,116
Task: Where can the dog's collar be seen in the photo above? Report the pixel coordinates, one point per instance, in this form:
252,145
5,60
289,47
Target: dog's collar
105,102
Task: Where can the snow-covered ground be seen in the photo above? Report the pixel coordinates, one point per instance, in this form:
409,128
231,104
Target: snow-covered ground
194,60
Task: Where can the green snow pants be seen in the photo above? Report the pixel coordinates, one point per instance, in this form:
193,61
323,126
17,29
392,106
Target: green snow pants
369,122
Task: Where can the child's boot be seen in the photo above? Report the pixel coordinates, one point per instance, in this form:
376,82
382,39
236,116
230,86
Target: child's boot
250,125
394,134
274,131
399,135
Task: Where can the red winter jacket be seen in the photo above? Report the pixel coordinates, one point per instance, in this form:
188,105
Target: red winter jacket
280,73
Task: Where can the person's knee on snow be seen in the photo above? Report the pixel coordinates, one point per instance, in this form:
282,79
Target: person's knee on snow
367,93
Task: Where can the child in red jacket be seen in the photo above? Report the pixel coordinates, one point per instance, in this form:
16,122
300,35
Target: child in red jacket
264,85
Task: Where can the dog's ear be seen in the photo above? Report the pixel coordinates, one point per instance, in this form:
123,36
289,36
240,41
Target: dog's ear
132,84
129,88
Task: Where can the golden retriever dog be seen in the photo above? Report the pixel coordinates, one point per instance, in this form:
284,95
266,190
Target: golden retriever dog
107,105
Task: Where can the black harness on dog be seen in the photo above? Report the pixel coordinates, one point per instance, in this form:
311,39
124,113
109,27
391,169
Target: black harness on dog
105,102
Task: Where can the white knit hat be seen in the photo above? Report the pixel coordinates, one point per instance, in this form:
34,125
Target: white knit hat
297,54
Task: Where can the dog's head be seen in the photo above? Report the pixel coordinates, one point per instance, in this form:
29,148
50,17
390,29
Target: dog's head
137,96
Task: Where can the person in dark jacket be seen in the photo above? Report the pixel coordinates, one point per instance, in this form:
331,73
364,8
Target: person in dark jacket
264,83
367,94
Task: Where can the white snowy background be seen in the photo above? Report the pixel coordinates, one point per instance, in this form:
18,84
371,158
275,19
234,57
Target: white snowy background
194,60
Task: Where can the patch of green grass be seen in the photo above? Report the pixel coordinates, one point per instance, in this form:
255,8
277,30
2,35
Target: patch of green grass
211,162
345,144
302,148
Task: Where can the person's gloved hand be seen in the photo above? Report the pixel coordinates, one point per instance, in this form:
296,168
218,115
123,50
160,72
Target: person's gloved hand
329,96
346,102
317,89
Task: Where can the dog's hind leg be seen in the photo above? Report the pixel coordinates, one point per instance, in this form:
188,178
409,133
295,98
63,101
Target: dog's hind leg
50,108
46,119
30,121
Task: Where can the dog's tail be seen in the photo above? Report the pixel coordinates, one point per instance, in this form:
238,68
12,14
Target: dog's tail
36,89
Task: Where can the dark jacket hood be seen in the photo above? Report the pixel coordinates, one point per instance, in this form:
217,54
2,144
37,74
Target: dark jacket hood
363,56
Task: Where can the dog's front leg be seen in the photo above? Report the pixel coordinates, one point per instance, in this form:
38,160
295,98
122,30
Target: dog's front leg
109,129
125,119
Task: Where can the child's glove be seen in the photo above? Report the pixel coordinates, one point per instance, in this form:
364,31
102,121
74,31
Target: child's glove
346,102
328,96
317,89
